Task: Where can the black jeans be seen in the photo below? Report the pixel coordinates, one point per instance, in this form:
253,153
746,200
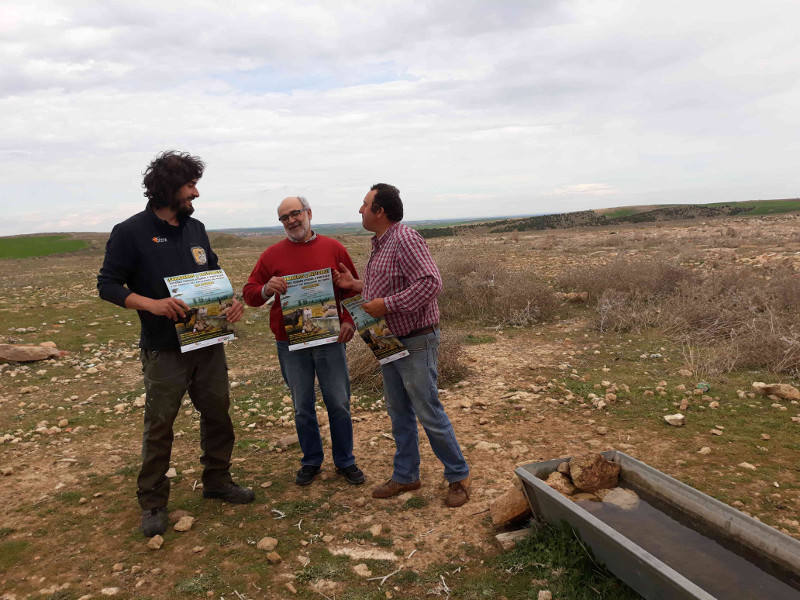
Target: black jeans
168,375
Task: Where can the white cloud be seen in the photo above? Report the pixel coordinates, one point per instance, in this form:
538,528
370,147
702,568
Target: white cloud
470,108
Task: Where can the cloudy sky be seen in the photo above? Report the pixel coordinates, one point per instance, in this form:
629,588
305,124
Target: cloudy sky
471,108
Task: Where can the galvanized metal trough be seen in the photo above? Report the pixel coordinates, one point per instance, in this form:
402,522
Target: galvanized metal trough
698,527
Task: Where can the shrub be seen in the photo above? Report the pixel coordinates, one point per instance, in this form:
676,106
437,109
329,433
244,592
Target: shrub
487,291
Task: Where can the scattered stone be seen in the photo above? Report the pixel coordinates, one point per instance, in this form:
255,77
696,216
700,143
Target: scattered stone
171,472
136,569
8,471
363,553
765,436
198,549
685,373
676,420
184,524
117,568
376,529
563,467
684,404
715,432
274,557
593,472
781,390
713,405
288,440
704,450
110,591
177,515
288,585
362,570
484,445
511,506
21,353
624,498
155,542
509,539
560,483
544,595
267,543
327,539
746,465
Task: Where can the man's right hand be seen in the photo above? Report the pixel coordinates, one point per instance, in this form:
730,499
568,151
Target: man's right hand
276,285
344,279
172,308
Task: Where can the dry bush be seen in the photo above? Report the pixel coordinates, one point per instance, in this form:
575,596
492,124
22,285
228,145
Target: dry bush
739,319
365,371
482,289
636,279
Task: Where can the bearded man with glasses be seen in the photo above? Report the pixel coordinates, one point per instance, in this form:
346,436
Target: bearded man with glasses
303,251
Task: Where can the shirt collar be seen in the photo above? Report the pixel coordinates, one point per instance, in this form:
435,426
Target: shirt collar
389,233
311,239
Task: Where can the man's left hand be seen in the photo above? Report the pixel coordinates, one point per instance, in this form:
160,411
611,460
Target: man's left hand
235,312
375,308
345,333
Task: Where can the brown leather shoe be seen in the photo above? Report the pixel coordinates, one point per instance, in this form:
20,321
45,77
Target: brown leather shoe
392,488
458,493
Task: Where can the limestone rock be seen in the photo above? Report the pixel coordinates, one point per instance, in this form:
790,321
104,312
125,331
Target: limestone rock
155,542
362,570
267,543
593,472
288,440
184,524
560,483
781,390
20,353
563,467
509,539
704,450
544,595
274,557
624,498
511,506
676,420
375,530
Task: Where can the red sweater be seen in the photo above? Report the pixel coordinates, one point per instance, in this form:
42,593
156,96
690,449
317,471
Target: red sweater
287,258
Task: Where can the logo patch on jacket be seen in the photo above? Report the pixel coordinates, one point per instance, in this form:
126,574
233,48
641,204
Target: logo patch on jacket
159,240
199,254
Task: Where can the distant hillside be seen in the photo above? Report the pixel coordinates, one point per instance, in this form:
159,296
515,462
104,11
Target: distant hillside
615,216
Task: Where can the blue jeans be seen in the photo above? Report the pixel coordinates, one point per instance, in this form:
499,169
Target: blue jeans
409,387
329,362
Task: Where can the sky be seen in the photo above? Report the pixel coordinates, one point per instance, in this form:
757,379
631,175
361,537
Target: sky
471,108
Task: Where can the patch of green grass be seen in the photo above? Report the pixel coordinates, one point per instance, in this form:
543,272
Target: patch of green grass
325,565
415,502
69,497
549,559
11,552
196,586
297,508
479,339
39,245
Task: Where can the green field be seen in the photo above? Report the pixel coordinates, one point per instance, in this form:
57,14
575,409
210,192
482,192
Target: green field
39,245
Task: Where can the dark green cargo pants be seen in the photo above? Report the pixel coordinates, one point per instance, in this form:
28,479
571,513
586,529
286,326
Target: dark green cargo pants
168,375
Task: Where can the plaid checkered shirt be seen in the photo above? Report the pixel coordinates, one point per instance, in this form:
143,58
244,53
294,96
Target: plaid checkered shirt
402,272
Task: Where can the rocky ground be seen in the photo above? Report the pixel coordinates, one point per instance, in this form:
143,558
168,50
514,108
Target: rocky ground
70,430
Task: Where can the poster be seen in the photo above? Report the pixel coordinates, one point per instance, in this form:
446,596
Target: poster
209,295
309,309
383,343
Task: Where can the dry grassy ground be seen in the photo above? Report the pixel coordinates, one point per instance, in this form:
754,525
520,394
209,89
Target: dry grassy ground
71,430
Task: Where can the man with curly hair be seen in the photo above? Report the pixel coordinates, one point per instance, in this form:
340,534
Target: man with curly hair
161,241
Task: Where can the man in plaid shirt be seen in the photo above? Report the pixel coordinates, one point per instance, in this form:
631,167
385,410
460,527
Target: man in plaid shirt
401,282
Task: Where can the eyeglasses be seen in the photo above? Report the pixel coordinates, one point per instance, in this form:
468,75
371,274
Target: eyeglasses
291,215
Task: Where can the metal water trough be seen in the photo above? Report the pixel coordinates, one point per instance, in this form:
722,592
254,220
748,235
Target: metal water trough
643,572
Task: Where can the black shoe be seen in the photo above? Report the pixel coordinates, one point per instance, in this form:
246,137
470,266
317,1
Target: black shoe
307,474
230,492
352,474
154,521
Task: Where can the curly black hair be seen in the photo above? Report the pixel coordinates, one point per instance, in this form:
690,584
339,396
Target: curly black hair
168,172
387,197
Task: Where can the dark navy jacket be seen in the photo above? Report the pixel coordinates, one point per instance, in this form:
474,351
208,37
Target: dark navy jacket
140,252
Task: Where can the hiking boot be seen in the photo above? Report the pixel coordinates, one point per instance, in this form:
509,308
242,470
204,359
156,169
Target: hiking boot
154,521
352,474
458,492
230,492
392,488
306,474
